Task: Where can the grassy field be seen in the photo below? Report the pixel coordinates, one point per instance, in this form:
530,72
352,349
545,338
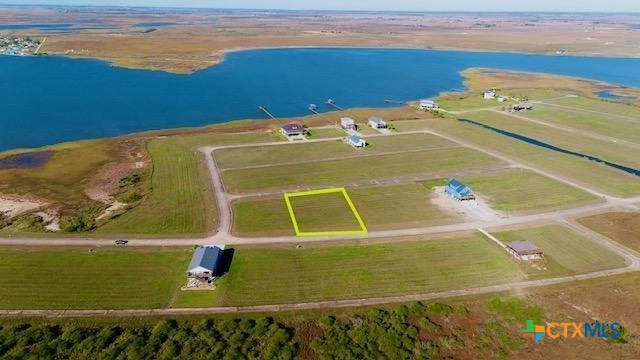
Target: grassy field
607,107
76,278
566,252
323,212
518,190
601,177
381,207
324,133
346,171
464,101
613,126
623,227
286,274
607,150
283,154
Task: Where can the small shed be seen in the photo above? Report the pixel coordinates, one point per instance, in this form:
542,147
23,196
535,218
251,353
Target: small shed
459,191
348,123
292,129
525,250
205,262
377,122
427,104
356,141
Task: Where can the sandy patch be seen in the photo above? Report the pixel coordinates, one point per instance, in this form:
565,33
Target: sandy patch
117,205
105,183
13,205
51,220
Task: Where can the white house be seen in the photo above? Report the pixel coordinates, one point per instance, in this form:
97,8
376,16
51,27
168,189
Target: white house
489,95
427,104
502,99
292,129
348,123
205,262
377,122
356,141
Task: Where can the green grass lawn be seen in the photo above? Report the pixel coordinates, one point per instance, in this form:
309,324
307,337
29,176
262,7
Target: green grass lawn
342,172
323,212
604,106
381,208
76,278
518,190
566,252
286,274
623,227
607,150
324,133
303,152
456,102
413,125
601,124
601,177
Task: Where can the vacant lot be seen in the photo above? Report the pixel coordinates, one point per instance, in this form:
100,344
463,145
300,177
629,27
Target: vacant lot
614,126
381,208
623,227
304,152
607,150
80,278
607,107
520,190
177,203
343,172
323,212
566,252
285,274
464,101
324,133
601,177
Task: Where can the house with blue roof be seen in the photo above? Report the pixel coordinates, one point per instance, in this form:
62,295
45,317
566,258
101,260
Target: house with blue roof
356,141
459,191
205,262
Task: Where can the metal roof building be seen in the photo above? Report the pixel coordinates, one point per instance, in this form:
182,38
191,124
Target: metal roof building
205,261
459,190
524,250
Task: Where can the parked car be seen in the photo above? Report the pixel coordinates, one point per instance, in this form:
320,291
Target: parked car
121,242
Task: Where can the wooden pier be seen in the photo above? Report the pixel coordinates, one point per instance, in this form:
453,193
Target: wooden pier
264,110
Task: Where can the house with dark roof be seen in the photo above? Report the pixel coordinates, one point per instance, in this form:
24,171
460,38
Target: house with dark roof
459,191
205,262
525,250
292,129
356,141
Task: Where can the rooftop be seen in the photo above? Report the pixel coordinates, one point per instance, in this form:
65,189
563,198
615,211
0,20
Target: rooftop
524,247
206,257
460,187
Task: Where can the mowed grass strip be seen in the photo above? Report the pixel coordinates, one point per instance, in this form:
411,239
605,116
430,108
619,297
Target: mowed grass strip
176,204
318,151
623,227
599,176
566,252
604,106
518,190
343,172
381,208
284,274
323,212
103,278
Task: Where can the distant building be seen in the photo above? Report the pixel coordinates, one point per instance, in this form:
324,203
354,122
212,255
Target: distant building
522,106
292,129
356,141
524,250
502,99
427,104
205,262
377,122
459,191
348,123
489,95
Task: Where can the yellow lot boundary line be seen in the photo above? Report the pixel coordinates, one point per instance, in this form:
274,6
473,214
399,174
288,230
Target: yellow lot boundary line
287,196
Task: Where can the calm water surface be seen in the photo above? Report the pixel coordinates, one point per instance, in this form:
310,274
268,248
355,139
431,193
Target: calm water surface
46,100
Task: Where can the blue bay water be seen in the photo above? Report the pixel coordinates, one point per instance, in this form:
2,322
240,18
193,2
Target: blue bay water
46,100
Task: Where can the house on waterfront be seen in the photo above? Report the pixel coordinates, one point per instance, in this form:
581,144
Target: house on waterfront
502,98
489,95
205,263
377,122
459,191
292,129
427,105
348,123
524,250
356,141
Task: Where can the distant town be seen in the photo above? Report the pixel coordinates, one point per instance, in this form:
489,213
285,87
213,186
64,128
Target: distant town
18,46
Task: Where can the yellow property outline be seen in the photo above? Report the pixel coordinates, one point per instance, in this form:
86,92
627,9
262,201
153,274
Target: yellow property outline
343,191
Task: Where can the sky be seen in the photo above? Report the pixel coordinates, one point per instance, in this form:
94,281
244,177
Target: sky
401,5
